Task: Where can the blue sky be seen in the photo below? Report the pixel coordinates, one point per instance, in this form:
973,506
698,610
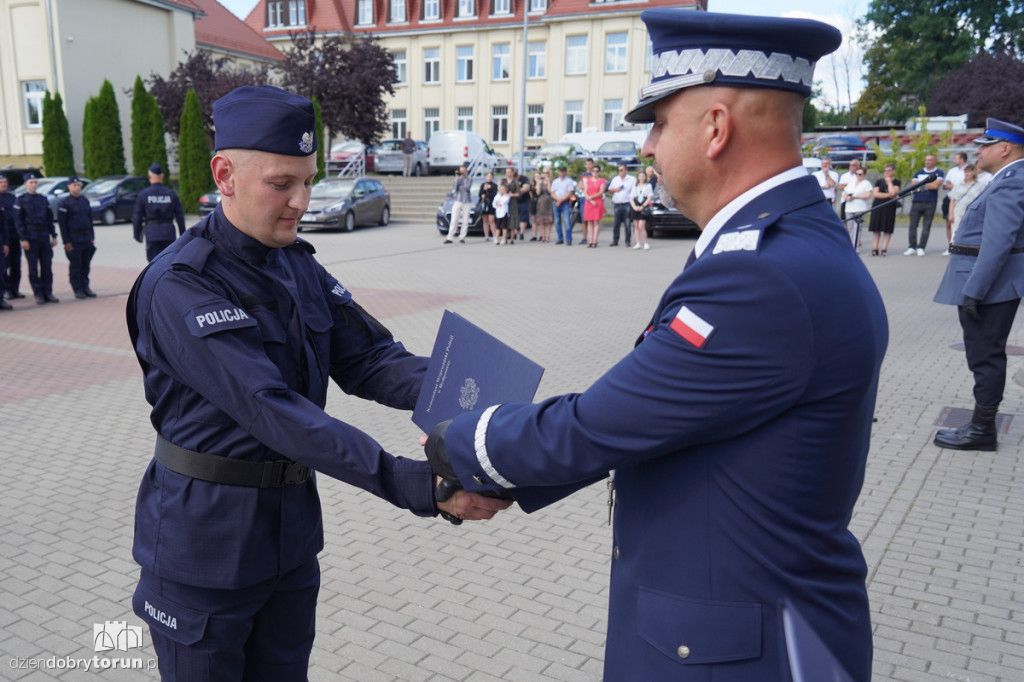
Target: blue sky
840,75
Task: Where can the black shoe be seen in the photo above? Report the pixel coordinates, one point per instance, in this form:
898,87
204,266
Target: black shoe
614,244
4,305
13,294
533,239
80,294
89,292
447,241
462,241
50,298
970,436
40,299
560,242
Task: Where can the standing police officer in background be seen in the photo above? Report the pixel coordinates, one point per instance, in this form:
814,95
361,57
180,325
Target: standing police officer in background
10,275
238,330
6,228
985,278
76,231
34,220
738,427
156,210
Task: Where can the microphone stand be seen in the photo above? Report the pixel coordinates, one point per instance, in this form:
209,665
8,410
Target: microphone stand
858,218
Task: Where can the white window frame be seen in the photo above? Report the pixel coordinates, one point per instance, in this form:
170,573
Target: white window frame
537,59
464,63
501,62
296,12
432,65
464,118
431,122
364,12
535,121
33,93
615,54
275,14
612,114
397,10
574,116
501,7
499,124
576,55
431,10
538,6
465,9
401,62
399,123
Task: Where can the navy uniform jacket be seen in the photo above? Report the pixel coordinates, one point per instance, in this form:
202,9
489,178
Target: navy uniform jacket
7,230
156,210
738,430
995,222
238,342
75,219
33,210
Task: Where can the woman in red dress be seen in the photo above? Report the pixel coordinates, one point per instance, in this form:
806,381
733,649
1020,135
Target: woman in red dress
593,206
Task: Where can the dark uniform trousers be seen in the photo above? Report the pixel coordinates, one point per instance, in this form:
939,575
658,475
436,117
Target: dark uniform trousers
79,261
154,247
263,632
40,260
12,272
985,348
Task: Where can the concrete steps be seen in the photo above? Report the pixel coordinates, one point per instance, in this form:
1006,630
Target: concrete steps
416,199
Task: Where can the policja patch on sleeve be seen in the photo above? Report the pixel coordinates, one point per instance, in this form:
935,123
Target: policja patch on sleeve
217,317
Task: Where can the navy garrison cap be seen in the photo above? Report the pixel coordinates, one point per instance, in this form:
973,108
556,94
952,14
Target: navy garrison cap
1001,131
156,169
265,118
732,50
73,179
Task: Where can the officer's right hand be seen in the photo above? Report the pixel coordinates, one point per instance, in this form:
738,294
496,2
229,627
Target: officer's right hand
970,308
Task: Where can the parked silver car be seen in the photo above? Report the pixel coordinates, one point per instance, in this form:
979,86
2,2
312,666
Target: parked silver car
346,203
391,160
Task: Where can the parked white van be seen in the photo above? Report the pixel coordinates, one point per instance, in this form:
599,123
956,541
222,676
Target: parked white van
449,149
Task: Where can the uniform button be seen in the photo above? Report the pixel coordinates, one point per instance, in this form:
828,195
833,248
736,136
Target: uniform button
478,480
615,552
763,216
683,651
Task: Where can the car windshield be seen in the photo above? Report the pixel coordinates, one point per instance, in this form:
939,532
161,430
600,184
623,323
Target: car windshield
102,187
46,187
390,145
334,189
555,150
616,148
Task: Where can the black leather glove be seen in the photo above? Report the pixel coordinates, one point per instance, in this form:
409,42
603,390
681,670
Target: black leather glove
970,308
442,466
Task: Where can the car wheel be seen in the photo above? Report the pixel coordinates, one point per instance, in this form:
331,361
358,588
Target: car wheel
109,217
385,216
350,221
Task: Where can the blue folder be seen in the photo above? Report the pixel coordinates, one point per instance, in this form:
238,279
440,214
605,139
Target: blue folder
470,369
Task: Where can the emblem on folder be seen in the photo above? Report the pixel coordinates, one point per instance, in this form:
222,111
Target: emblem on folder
469,393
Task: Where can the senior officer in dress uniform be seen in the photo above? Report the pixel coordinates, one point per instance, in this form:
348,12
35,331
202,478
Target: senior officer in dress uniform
739,425
157,208
985,279
238,330
76,231
34,220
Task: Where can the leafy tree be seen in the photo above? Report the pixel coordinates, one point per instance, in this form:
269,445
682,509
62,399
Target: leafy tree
58,154
321,167
910,158
148,143
987,85
194,176
910,44
349,76
210,78
102,141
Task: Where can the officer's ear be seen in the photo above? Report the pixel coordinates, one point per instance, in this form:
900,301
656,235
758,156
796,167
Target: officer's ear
223,173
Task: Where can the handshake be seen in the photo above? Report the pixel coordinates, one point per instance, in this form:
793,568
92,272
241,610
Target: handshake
455,504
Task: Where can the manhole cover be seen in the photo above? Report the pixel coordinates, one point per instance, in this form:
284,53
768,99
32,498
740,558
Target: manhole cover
955,417
1010,350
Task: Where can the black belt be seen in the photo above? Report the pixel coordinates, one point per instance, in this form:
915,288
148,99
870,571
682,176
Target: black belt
38,228
215,469
962,250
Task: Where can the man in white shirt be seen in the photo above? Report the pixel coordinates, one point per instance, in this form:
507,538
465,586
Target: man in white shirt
847,178
954,177
827,179
620,188
562,189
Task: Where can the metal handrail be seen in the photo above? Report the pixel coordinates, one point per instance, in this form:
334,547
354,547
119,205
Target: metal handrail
477,167
356,167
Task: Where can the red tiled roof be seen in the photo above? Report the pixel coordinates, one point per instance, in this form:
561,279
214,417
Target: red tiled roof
220,28
326,16
191,5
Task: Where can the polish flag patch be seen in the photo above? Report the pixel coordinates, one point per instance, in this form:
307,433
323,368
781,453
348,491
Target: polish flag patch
691,327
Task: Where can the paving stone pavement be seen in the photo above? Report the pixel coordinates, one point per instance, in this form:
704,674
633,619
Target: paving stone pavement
519,598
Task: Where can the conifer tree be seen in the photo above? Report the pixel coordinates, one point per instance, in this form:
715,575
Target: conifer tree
102,141
88,138
58,155
194,176
148,143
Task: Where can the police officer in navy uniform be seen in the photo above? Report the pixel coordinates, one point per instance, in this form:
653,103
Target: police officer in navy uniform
738,427
6,227
157,208
238,330
76,231
985,278
10,273
34,220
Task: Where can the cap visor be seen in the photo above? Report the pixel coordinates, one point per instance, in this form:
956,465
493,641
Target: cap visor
987,140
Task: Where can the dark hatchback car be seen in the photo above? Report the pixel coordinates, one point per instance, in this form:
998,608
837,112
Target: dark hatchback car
842,149
208,203
346,203
619,152
16,175
668,219
112,198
